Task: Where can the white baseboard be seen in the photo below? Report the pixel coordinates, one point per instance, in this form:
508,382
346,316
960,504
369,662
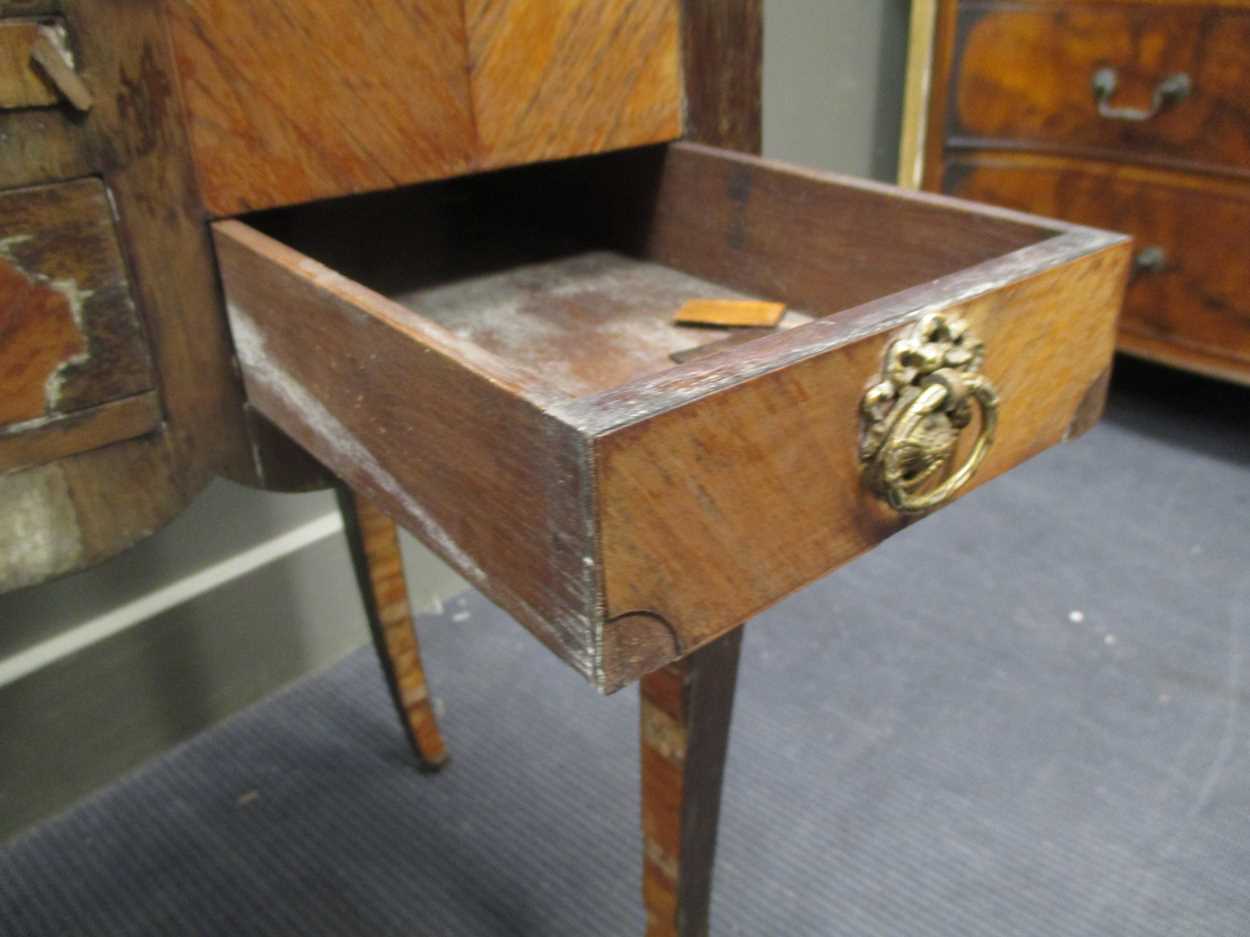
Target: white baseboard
109,623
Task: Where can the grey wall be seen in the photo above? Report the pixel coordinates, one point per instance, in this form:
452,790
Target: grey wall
239,595
247,591
833,83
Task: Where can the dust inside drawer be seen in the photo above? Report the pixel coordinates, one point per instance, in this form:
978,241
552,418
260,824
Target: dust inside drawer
495,360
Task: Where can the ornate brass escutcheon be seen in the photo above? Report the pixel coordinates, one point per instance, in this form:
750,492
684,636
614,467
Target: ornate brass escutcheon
912,418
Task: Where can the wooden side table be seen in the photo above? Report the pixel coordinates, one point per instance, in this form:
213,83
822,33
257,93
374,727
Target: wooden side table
451,237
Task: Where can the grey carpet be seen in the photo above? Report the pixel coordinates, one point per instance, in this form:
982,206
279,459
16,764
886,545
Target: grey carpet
1023,716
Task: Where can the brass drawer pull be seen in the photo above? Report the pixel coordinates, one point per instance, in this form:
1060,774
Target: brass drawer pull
1170,91
913,417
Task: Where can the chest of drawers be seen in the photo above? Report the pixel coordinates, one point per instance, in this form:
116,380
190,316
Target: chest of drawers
1130,115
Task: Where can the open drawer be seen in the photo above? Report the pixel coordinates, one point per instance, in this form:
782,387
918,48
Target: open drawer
493,359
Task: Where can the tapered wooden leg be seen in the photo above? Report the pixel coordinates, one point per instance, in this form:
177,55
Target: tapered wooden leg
374,543
685,735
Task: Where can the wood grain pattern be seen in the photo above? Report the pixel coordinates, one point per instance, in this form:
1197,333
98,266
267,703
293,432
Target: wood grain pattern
70,335
22,83
676,500
293,100
723,67
1200,299
554,78
1022,77
685,717
81,431
379,565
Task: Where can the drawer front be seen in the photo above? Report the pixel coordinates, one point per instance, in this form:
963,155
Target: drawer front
293,100
628,521
75,372
551,79
1173,82
1191,283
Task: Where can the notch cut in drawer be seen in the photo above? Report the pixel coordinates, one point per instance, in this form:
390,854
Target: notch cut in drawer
491,359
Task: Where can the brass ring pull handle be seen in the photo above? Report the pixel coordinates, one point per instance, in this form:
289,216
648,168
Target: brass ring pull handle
914,416
1171,90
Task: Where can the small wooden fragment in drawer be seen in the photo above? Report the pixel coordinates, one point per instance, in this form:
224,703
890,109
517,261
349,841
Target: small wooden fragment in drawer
463,362
1192,286
728,312
1023,75
70,337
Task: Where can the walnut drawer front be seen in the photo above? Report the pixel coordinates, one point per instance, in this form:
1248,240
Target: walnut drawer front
492,359
1190,286
293,100
1173,82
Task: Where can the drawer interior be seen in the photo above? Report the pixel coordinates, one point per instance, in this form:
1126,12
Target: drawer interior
584,316
571,272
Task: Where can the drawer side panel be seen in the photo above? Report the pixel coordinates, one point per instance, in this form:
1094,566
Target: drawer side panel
480,473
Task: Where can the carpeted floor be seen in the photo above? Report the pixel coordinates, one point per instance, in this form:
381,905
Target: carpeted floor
1023,716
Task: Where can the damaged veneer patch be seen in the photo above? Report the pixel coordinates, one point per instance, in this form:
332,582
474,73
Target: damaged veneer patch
75,370
41,325
72,337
